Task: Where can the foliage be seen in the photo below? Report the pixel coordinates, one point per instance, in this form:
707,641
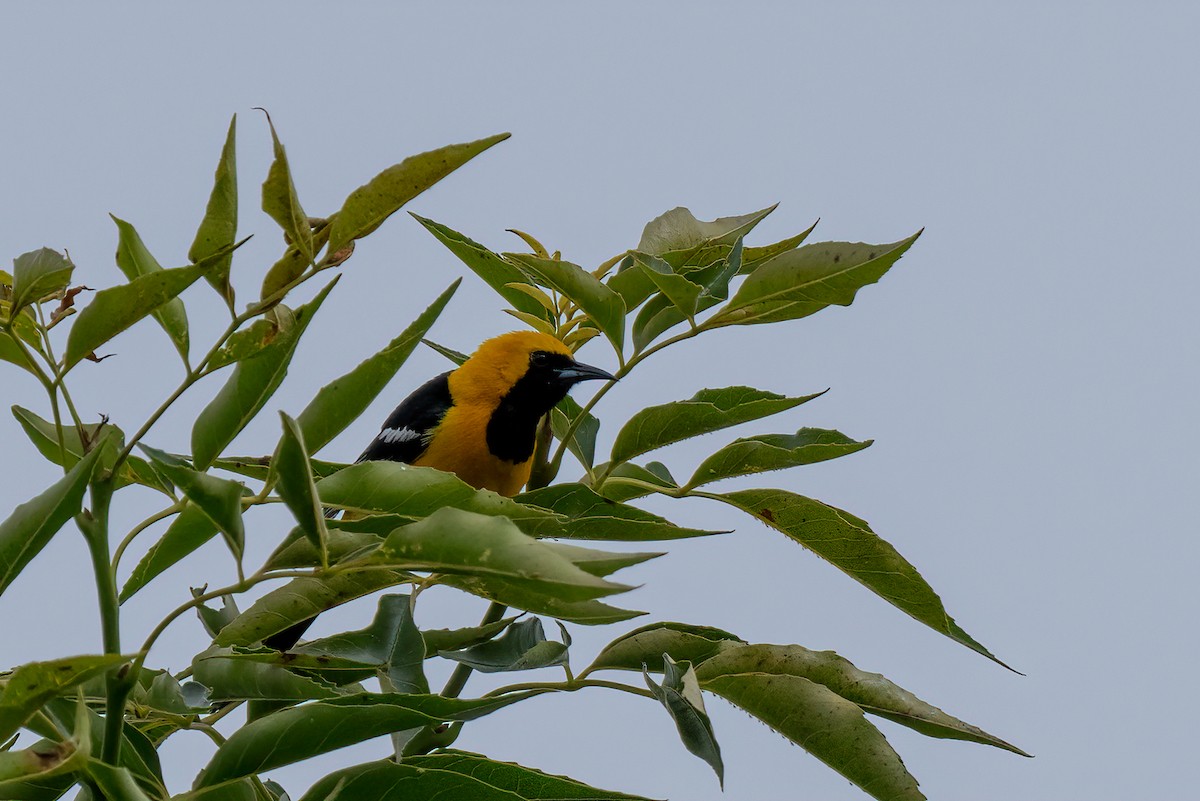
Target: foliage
101,718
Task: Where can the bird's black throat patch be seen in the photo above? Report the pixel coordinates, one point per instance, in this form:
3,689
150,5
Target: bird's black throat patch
512,430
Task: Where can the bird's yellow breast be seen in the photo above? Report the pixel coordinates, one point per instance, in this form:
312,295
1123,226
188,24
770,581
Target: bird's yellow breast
459,446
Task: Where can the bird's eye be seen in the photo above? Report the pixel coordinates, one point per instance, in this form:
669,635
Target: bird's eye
539,358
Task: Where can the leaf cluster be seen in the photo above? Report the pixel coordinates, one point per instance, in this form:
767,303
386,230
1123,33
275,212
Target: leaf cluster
100,719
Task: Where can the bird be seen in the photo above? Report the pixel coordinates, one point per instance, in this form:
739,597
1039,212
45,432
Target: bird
478,421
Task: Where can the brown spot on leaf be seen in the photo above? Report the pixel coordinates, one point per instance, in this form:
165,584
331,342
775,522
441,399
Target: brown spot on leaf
767,514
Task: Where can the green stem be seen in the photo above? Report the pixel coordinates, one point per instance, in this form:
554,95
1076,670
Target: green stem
568,687
174,508
94,523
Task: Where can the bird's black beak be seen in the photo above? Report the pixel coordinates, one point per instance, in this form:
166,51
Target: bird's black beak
576,372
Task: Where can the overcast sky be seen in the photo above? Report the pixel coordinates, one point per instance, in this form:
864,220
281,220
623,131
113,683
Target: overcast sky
1028,370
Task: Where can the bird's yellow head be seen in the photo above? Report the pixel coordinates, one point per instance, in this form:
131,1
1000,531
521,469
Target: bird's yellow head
539,366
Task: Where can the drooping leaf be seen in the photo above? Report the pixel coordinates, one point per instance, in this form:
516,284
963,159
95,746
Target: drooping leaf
304,598
187,532
453,355
340,402
32,524
604,306
44,436
526,783
801,282
499,274
767,452
259,467
218,498
134,260
368,206
33,684
871,691
708,410
437,640
523,646
295,484
243,679
41,772
344,539
216,620
455,541
298,733
590,516
115,309
248,388
37,274
849,544
218,229
280,202
680,694
823,723
646,645
394,488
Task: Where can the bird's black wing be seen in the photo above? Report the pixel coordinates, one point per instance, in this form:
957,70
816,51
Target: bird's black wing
406,433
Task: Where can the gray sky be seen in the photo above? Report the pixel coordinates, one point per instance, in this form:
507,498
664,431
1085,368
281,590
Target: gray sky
1027,370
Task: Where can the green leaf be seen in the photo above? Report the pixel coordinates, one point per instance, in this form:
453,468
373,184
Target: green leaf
590,516
115,309
36,275
706,411
753,258
600,563
456,541
645,645
604,306
823,723
582,444
871,691
31,685
252,339
532,598
240,679
218,229
296,486
848,543
631,283
340,402
801,282
394,488
135,260
368,206
680,694
451,354
218,498
677,288
216,620
187,532
522,647
388,781
392,643
340,544
44,437
499,274
298,733
526,783
41,772
304,598
678,231
654,473
32,524
280,202
767,452
117,784
248,388
259,467
437,640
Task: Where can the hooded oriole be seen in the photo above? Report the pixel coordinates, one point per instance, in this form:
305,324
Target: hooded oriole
478,421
